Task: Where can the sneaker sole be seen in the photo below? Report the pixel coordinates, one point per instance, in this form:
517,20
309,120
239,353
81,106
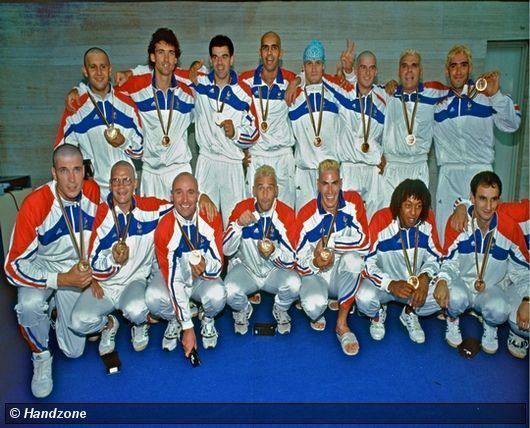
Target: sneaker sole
519,356
241,332
377,338
170,347
286,331
489,351
140,348
209,343
452,344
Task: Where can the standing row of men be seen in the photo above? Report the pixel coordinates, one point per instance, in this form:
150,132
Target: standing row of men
64,242
379,138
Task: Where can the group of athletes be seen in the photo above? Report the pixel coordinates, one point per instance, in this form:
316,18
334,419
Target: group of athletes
322,155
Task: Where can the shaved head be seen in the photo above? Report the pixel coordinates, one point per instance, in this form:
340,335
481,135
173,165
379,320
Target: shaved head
92,51
365,54
185,194
124,164
271,34
184,176
66,151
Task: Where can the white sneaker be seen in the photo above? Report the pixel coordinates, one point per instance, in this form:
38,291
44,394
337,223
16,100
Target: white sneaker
490,343
241,319
377,324
411,322
208,332
171,335
283,319
140,336
517,345
42,382
452,332
108,337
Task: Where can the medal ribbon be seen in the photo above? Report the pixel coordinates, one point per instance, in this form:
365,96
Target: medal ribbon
471,93
79,249
410,125
366,127
264,113
266,232
410,270
100,113
219,110
121,236
480,272
316,129
159,113
332,223
188,242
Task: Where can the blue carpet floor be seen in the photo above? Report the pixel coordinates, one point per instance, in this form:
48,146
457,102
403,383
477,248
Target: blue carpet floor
305,366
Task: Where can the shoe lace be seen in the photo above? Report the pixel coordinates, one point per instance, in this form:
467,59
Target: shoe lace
453,328
413,322
517,341
42,369
172,329
208,327
140,331
241,317
281,316
490,333
382,314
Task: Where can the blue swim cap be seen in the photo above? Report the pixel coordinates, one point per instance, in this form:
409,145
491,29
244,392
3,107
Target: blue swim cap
314,51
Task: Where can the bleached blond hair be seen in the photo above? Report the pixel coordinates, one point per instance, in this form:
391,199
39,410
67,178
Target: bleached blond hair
328,165
458,49
265,171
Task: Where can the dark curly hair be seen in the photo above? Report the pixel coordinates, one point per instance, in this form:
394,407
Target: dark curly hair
405,190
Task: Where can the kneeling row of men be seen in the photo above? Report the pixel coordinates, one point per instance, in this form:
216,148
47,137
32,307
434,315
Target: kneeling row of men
324,252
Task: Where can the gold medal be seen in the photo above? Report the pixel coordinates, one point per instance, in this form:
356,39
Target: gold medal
83,266
410,139
121,247
264,112
218,118
165,129
326,254
111,133
195,257
481,84
413,278
316,127
265,247
414,281
480,285
366,126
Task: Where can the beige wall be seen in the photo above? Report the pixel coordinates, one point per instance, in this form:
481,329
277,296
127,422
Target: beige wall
42,45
